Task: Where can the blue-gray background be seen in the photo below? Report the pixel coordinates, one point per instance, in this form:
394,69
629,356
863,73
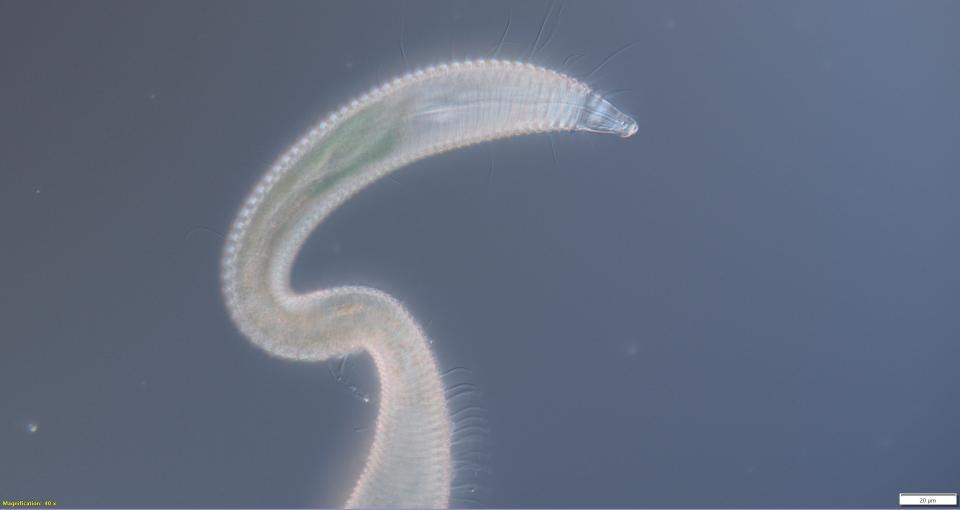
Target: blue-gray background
753,302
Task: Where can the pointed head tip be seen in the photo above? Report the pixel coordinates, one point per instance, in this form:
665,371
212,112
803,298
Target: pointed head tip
629,129
600,116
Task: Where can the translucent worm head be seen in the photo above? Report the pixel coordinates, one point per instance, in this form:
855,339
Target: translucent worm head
599,116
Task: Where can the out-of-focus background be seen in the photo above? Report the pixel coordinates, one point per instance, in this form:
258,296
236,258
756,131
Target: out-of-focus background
753,302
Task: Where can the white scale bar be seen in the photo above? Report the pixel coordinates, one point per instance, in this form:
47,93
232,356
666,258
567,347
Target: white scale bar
928,499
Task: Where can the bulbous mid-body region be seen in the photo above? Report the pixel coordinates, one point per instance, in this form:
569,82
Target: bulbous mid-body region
424,113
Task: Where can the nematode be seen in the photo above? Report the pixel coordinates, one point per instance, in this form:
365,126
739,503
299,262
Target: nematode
428,112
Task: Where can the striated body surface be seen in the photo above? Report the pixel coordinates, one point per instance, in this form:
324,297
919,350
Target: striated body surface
410,118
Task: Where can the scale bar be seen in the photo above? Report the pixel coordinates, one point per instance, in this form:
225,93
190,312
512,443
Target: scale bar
928,499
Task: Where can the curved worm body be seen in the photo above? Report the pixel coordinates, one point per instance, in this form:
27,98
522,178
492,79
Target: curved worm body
424,113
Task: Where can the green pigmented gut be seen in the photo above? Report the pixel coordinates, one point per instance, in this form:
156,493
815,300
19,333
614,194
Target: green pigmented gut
428,112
